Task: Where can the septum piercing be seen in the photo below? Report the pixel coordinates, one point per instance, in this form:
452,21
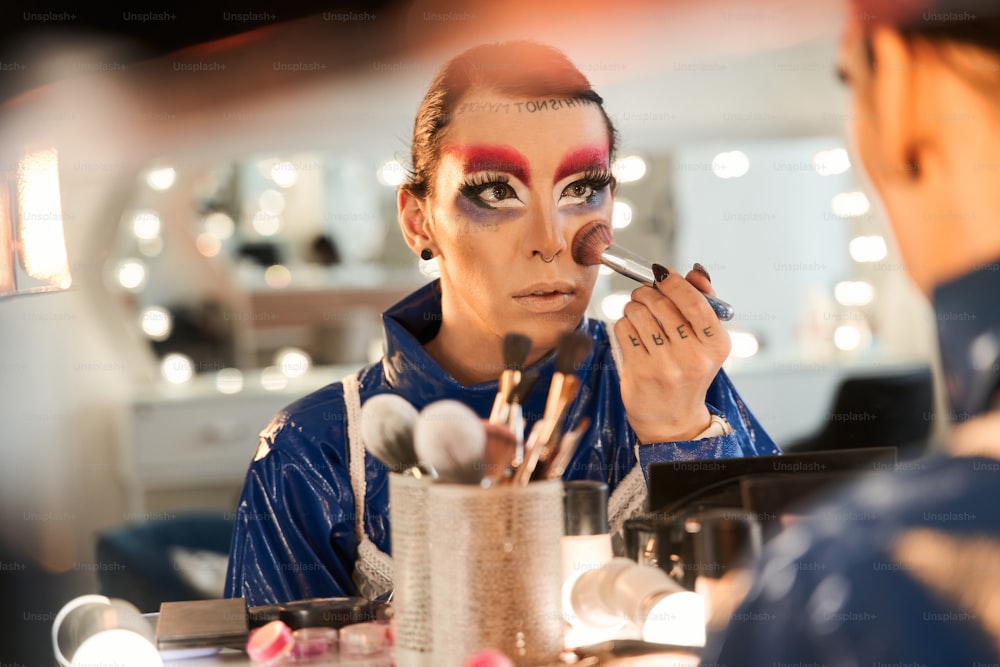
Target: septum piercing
550,259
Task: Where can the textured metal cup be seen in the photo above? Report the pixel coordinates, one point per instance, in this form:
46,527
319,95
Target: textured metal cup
411,556
496,574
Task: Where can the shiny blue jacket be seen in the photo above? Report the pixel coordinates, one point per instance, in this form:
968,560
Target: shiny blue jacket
294,534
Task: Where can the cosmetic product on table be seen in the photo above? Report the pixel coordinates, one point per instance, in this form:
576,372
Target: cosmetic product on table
586,545
94,629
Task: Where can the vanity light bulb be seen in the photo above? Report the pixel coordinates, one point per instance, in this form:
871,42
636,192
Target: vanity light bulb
229,381
131,274
850,204
177,368
629,168
284,174
745,344
293,362
391,173
613,305
161,179
157,323
146,225
730,164
831,162
621,215
272,379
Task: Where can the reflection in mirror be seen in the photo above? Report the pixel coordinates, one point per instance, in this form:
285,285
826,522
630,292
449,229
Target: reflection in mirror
280,260
283,261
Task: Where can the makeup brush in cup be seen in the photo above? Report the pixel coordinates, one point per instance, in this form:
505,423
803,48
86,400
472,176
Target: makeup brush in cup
515,412
593,245
501,448
451,438
387,422
556,465
515,352
571,351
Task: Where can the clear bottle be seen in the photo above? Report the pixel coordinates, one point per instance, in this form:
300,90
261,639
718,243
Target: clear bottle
586,546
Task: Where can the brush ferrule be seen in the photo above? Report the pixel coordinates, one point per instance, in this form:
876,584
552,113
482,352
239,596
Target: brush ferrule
640,269
629,264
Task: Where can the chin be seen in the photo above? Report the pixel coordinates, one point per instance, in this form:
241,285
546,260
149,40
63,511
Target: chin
545,329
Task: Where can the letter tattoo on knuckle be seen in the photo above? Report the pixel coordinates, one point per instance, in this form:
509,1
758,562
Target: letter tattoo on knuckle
708,332
658,339
635,341
681,332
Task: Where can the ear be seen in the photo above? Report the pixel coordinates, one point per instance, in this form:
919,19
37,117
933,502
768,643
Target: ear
413,220
894,101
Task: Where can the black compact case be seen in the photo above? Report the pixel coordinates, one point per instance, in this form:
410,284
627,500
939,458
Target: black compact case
703,513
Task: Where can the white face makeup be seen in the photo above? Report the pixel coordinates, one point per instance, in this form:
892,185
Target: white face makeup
512,189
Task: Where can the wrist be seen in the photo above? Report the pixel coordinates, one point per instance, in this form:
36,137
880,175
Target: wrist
691,429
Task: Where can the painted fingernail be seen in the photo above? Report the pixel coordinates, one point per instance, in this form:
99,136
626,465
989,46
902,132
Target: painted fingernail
660,273
699,267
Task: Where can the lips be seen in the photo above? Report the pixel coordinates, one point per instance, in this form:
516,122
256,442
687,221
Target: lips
545,297
545,289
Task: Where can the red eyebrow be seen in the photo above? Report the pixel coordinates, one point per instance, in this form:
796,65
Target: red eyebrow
582,159
483,157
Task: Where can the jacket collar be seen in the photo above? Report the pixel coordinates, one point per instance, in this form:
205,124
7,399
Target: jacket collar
414,374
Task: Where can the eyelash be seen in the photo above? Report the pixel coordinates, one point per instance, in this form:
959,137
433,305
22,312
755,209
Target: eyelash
595,179
598,179
478,183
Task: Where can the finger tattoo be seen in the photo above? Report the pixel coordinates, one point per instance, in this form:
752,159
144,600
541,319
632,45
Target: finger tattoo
658,339
680,331
708,332
635,341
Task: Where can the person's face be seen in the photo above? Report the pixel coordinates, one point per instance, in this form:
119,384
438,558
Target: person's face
874,101
512,187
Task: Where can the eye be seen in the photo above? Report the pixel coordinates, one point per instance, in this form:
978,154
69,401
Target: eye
490,191
585,190
496,192
579,190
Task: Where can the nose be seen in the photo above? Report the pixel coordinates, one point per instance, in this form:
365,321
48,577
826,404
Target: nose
546,234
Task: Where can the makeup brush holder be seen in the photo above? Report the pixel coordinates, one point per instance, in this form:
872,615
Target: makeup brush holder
496,571
411,556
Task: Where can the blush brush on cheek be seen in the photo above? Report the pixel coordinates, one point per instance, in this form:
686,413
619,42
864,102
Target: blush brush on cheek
593,245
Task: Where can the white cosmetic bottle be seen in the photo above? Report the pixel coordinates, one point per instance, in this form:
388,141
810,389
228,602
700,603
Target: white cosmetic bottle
586,546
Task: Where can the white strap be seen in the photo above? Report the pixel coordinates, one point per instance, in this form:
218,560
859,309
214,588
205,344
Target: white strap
629,497
373,571
356,452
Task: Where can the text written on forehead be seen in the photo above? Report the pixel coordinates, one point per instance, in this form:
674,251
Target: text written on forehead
531,106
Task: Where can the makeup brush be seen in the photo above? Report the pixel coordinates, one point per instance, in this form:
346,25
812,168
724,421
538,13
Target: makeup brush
501,447
593,245
387,428
515,352
571,351
515,412
450,437
565,450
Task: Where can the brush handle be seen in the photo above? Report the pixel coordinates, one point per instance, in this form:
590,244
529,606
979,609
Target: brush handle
633,266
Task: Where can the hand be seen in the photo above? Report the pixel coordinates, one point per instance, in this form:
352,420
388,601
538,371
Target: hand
673,345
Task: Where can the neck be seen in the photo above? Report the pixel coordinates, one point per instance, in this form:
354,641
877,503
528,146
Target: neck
968,321
461,347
